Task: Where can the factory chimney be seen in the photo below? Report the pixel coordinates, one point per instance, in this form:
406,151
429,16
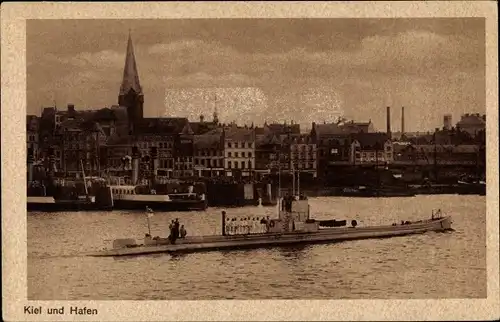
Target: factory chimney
402,120
389,120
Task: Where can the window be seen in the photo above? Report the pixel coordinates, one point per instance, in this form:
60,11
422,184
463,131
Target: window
236,164
228,144
236,145
243,164
229,154
242,154
249,154
229,164
235,154
249,164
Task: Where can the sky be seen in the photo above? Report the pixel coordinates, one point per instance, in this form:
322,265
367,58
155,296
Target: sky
274,70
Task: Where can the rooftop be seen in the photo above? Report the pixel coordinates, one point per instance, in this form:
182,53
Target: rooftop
371,140
236,133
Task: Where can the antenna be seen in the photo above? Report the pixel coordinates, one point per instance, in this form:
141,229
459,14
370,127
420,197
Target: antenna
215,101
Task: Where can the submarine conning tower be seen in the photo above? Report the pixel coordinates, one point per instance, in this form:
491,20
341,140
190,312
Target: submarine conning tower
297,217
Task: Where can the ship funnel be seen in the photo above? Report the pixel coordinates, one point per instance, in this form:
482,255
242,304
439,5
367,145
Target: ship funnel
388,120
402,120
135,165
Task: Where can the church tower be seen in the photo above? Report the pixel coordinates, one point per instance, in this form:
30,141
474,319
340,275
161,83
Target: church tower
131,95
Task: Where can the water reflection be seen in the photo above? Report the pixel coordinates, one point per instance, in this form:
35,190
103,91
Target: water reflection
295,252
423,266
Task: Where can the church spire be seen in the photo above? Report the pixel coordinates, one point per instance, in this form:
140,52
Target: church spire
130,74
131,95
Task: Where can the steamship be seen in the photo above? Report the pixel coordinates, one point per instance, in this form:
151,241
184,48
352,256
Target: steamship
68,197
51,195
137,194
138,197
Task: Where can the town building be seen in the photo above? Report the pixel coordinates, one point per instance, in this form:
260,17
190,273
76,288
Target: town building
163,134
273,151
80,148
280,129
268,154
202,126
118,154
303,154
184,153
371,148
357,127
472,123
332,147
438,154
209,154
32,138
239,151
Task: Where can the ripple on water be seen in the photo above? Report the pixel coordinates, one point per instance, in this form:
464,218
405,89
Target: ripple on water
423,266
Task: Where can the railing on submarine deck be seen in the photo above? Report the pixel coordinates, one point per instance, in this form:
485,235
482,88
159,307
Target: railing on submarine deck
259,224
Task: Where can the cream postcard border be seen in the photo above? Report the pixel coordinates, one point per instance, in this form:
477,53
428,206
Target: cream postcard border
14,252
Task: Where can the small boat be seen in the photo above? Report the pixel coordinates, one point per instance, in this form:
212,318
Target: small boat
471,187
370,192
293,226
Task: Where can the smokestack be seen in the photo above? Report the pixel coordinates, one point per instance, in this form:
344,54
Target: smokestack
402,120
135,165
447,122
389,120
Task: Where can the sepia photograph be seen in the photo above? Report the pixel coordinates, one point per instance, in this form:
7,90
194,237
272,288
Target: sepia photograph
254,158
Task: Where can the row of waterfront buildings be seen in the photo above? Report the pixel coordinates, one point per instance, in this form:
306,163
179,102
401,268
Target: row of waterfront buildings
105,141
100,141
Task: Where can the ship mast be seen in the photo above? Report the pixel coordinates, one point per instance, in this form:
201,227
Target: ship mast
84,179
279,180
298,182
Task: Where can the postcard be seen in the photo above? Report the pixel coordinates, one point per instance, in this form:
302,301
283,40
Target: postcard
250,161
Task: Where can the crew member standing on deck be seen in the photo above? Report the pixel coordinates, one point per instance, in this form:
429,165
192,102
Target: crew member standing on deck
177,228
170,229
183,232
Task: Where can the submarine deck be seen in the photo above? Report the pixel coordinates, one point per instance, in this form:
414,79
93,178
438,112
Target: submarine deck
211,243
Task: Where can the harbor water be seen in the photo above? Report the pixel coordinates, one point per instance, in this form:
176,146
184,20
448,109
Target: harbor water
427,266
